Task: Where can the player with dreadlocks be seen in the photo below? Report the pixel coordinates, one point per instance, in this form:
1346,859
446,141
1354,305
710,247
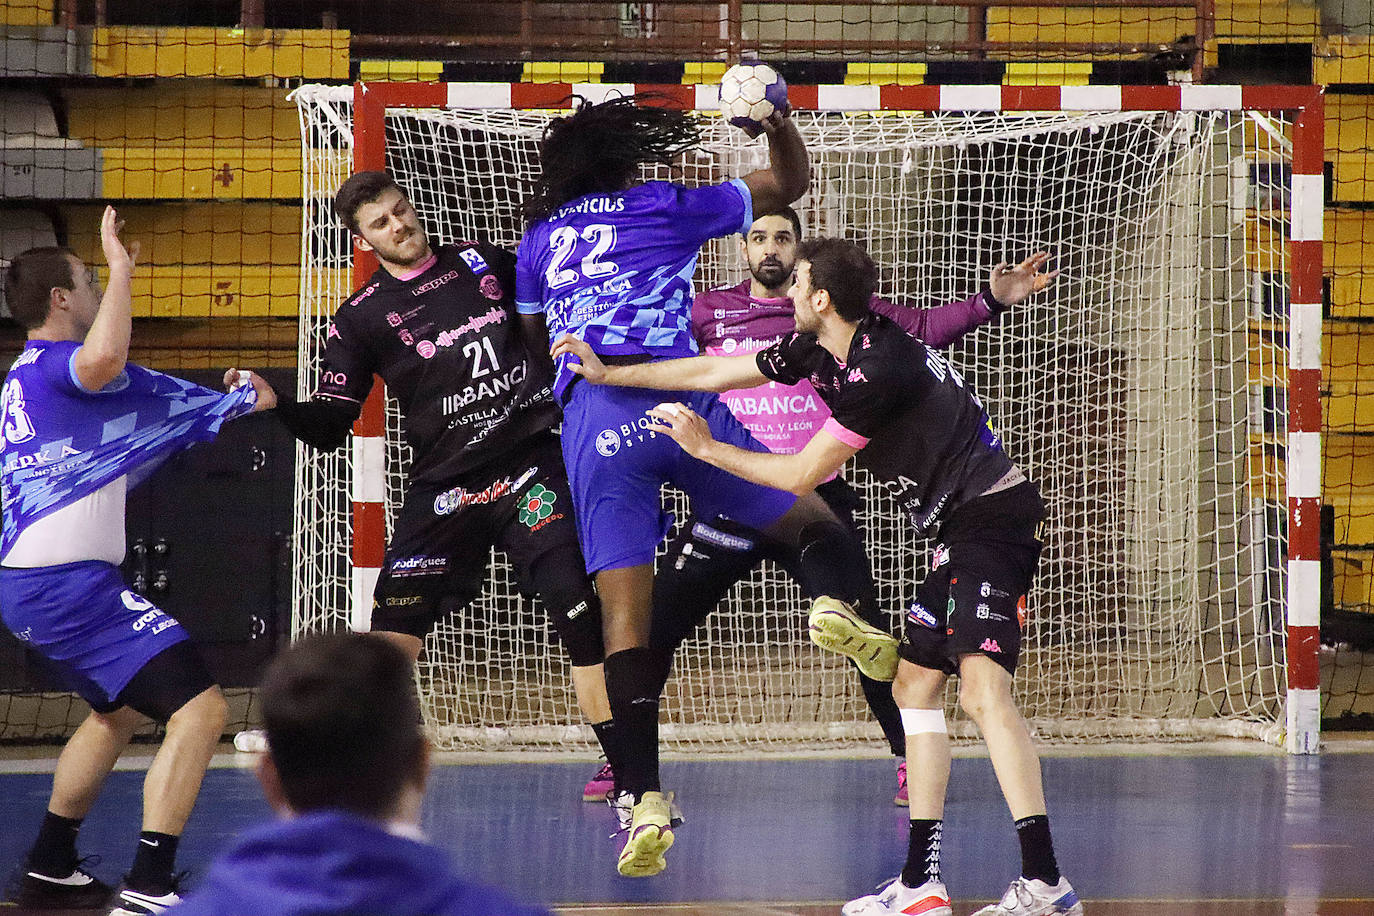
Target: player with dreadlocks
610,259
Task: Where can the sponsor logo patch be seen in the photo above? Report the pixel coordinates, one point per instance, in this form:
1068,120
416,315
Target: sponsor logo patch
710,535
940,557
536,506
490,286
426,349
473,260
917,613
607,443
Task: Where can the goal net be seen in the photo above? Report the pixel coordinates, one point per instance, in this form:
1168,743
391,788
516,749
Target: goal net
1144,392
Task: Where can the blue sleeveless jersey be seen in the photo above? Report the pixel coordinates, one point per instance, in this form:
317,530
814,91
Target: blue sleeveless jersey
62,442
616,269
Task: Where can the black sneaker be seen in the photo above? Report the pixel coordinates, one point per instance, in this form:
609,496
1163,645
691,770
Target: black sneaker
78,891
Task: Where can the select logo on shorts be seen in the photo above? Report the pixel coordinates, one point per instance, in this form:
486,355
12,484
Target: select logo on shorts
917,613
536,506
418,566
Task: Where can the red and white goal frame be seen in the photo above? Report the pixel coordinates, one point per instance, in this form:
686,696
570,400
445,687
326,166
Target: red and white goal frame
1298,334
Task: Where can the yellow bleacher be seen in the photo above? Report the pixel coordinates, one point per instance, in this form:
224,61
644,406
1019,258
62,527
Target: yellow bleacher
26,12
1343,59
205,259
139,51
1146,28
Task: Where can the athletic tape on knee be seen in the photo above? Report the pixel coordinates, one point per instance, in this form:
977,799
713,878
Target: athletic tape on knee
923,721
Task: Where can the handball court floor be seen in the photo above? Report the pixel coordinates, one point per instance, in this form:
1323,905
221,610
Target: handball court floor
1212,829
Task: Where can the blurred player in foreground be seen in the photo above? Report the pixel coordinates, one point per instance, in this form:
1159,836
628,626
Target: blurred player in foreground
345,769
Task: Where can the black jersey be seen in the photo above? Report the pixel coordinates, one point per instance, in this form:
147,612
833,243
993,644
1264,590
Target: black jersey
447,343
919,429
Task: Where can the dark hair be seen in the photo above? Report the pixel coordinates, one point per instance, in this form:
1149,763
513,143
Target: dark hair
30,280
789,214
844,270
599,148
343,724
361,188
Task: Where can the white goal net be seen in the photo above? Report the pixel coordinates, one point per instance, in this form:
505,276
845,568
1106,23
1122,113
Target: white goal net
1143,392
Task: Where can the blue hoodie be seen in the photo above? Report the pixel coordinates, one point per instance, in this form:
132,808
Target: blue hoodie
330,863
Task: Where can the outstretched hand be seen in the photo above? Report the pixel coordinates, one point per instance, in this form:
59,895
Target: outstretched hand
1011,285
682,425
590,366
117,256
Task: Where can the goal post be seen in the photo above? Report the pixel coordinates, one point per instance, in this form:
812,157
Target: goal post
1164,392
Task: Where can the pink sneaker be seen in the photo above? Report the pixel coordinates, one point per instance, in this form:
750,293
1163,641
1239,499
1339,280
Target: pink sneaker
600,785
901,798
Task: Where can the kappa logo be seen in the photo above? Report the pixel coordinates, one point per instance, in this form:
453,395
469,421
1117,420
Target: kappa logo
857,375
474,260
990,645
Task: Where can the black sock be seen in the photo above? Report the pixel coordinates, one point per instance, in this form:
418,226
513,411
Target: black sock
923,853
608,738
633,679
54,852
1037,849
831,561
152,871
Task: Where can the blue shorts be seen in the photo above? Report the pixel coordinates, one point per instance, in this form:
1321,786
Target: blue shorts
83,618
616,467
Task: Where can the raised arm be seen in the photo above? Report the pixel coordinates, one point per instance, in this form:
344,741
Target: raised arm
694,373
105,349
797,473
942,325
789,168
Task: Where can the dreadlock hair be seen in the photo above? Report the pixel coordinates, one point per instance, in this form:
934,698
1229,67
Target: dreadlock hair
599,148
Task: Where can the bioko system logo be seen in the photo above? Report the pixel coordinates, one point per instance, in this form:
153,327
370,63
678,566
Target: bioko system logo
537,505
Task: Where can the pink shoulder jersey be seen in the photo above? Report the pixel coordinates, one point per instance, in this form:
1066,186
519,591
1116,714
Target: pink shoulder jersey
730,322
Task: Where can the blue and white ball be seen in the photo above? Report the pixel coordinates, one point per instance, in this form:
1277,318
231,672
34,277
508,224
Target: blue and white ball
750,92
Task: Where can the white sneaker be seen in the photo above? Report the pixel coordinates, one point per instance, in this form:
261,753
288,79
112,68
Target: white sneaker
1033,897
930,899
134,903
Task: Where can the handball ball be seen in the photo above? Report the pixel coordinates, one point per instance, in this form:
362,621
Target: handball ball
750,92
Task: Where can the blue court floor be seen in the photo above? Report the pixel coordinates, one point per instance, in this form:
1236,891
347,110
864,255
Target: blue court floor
1185,825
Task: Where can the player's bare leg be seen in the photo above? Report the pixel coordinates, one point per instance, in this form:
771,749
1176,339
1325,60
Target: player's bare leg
633,679
407,643
589,683
173,780
920,695
985,694
88,758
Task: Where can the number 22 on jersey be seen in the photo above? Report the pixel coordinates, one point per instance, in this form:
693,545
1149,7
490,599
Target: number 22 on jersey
564,242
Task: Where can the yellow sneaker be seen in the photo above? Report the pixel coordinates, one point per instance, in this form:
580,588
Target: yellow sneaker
836,628
651,835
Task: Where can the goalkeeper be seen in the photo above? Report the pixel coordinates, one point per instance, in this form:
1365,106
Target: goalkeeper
906,413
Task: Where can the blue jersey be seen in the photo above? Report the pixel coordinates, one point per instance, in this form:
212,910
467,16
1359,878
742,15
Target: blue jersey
62,442
616,269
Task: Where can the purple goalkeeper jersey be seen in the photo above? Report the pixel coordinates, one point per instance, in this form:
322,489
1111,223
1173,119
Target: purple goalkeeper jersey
616,269
730,322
